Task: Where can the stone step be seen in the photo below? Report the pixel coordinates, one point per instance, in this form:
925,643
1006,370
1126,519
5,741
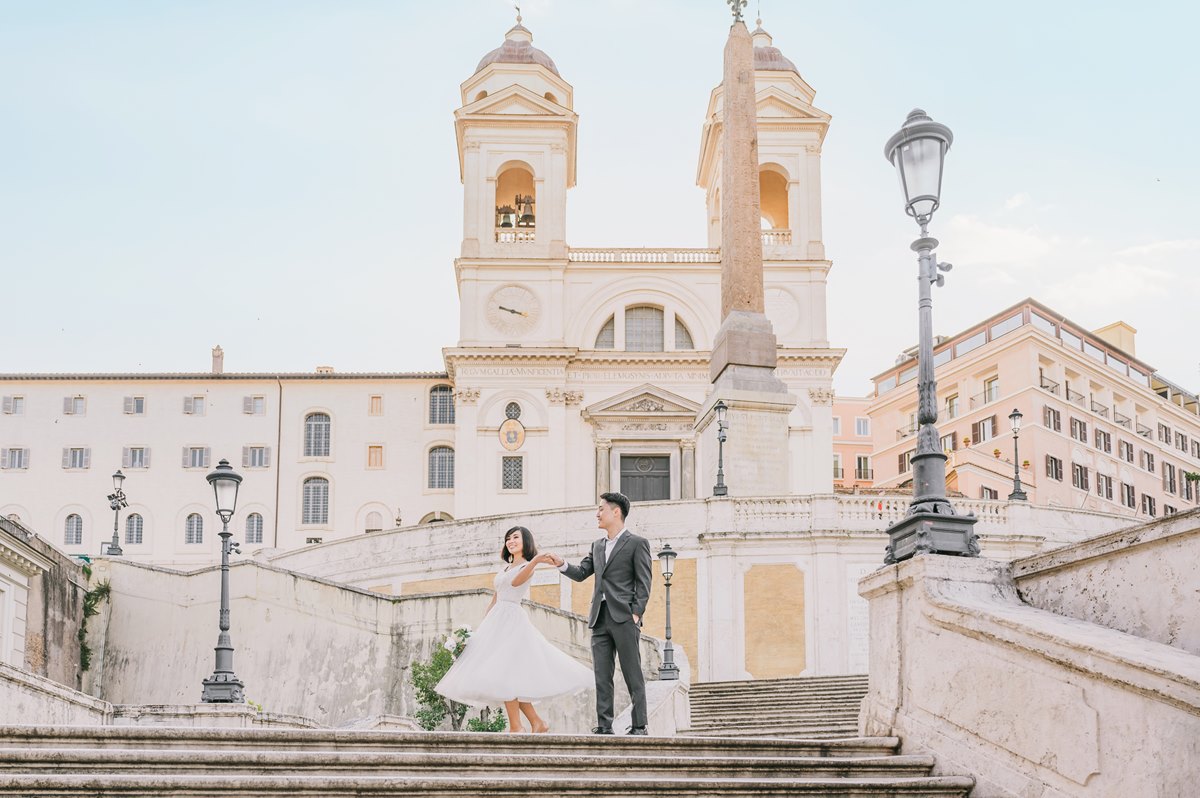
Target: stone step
157,738
781,732
423,764
727,695
456,786
800,681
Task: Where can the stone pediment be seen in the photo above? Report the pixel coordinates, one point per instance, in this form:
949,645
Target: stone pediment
777,104
513,100
643,401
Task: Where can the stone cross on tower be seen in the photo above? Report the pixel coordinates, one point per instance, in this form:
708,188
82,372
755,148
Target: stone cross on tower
742,367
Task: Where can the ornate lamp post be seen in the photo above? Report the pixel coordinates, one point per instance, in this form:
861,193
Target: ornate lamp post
918,152
666,560
224,687
720,489
116,500
1017,494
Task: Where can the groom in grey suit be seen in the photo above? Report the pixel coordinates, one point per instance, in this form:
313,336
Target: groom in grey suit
622,565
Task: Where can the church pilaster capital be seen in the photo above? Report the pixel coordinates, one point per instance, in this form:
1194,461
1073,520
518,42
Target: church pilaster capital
687,444
603,444
466,396
557,146
821,396
557,396
471,146
812,149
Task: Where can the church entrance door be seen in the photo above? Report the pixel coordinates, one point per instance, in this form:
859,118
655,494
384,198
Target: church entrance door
646,478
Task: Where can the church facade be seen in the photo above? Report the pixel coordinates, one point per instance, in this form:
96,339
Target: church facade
576,371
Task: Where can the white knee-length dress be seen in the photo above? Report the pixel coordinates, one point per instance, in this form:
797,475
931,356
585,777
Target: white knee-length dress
506,658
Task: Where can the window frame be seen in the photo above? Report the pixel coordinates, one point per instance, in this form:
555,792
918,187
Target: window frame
193,532
440,411
519,458
311,437
432,477
309,506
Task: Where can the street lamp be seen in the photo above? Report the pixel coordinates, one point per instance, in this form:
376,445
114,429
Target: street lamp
1017,494
116,500
224,687
720,489
918,152
666,560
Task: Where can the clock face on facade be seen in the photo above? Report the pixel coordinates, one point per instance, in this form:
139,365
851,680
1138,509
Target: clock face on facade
512,310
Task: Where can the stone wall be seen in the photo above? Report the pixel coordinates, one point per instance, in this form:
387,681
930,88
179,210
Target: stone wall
1144,581
303,646
28,698
1028,702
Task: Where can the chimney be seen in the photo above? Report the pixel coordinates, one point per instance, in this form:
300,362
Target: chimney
324,369
1120,335
218,362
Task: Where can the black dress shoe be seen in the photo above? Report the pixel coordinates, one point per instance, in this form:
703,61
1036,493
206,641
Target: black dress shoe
639,731
603,730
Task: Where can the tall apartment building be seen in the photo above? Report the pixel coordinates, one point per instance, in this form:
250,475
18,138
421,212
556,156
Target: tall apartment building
1101,430
852,442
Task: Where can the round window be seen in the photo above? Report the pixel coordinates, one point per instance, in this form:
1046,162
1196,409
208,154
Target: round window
512,410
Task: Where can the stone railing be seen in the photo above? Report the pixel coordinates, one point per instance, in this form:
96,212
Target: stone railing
776,237
641,255
510,235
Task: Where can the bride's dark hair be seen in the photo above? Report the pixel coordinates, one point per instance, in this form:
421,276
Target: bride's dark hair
528,550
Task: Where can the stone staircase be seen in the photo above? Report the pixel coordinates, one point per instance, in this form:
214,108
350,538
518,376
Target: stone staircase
150,761
821,707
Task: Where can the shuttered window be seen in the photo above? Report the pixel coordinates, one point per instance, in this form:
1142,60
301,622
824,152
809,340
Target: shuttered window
196,456
74,405
256,456
193,529
254,405
984,429
317,429
193,405
77,458
315,509
14,458
14,405
135,405
135,457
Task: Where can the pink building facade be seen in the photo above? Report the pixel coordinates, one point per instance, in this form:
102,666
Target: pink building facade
852,443
1100,429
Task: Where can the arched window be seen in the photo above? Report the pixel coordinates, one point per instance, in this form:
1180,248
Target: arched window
516,201
607,337
315,509
193,529
441,467
441,405
773,199
643,329
683,338
512,410
374,522
73,530
316,435
133,529
254,528
436,518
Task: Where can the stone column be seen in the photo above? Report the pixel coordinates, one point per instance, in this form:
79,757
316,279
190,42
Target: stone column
603,465
687,469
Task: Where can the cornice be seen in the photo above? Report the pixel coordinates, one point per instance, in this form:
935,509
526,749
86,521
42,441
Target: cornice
27,562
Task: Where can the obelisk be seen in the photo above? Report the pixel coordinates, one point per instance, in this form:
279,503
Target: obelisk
742,368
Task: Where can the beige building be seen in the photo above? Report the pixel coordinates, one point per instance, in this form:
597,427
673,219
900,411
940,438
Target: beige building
577,370
1101,430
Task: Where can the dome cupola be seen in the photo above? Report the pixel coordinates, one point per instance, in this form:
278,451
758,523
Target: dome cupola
767,57
518,49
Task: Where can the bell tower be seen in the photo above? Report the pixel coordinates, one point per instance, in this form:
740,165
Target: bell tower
516,134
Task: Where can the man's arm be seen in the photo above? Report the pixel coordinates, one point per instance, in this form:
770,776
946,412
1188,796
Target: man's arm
642,571
577,572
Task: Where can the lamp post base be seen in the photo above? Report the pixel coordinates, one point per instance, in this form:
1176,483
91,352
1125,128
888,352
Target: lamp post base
668,672
1018,496
932,533
222,688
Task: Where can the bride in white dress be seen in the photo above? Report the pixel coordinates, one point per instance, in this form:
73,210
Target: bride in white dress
507,660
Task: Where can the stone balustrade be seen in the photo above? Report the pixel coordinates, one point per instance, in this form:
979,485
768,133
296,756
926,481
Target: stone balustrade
642,255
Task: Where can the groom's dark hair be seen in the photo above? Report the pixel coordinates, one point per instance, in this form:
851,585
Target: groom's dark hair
617,500
528,550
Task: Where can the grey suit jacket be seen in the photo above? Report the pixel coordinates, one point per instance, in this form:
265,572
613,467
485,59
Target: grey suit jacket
624,580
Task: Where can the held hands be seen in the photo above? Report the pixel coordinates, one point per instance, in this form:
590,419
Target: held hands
549,557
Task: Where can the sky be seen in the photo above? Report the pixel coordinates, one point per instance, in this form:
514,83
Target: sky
280,176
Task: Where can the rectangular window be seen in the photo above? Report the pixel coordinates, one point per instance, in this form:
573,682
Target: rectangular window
193,405
512,473
1104,486
375,456
951,406
950,442
1042,323
988,493
1079,476
1070,339
991,389
1093,351
77,458
312,541
837,465
1006,326
1164,433
74,406
1104,441
256,456
837,425
1169,510
14,405
968,344
1128,496
195,456
1054,468
1125,451
253,405
905,460
135,457
375,405
1079,430
135,405
1168,478
943,357
17,459
1148,505
1196,448
1052,419
862,467
1181,442
862,427
984,429
1147,460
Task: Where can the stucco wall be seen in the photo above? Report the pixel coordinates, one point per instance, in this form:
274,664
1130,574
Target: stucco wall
303,646
29,698
1144,581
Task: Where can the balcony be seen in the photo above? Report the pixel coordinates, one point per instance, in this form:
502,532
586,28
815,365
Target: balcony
1099,409
906,432
950,411
644,255
512,235
864,473
1050,385
1124,421
776,237
1076,397
1144,431
979,400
